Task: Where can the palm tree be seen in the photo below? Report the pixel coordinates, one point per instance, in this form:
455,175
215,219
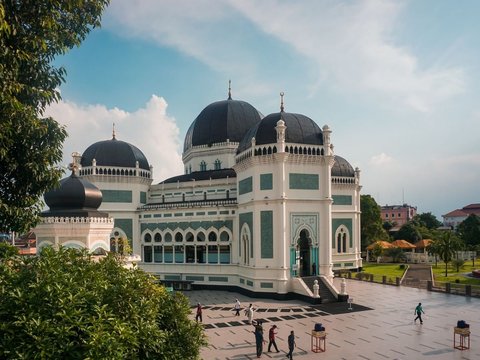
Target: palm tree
446,248
432,249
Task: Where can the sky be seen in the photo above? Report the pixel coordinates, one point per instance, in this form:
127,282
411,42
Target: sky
398,82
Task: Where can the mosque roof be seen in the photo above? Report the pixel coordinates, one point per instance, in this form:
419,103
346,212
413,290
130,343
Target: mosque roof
114,153
221,121
342,167
300,129
202,175
75,197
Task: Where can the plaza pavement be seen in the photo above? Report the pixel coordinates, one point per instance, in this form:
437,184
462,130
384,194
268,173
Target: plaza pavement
387,331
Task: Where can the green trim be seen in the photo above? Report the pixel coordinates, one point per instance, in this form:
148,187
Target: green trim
183,225
178,214
342,199
157,215
266,285
245,186
194,278
224,212
336,223
266,181
167,215
147,216
303,181
189,214
126,225
116,196
212,213
266,234
218,278
249,283
143,197
172,277
200,213
242,281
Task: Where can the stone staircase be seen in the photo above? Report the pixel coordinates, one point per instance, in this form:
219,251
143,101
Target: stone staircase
326,295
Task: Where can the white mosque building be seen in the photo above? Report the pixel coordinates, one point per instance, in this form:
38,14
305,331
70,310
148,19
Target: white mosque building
263,205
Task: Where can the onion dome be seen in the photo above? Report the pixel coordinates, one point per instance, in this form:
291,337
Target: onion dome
114,153
342,167
221,121
76,197
300,129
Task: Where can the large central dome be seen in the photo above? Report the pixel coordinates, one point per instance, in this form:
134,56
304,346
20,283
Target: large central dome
221,121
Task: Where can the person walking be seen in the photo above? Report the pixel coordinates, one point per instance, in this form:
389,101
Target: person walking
418,312
271,338
259,338
291,344
249,313
199,313
237,307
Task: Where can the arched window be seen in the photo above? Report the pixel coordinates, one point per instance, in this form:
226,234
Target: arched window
157,237
212,236
178,237
342,237
203,166
147,238
217,164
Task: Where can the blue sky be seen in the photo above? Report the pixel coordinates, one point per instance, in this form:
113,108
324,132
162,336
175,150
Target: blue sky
396,81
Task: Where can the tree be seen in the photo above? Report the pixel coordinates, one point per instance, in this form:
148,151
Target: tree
427,220
64,305
396,254
371,221
32,34
446,247
408,232
469,230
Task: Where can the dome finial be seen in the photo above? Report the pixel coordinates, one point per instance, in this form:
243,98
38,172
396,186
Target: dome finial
229,89
281,101
113,132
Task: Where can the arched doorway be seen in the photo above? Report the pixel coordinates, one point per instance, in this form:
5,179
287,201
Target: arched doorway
304,246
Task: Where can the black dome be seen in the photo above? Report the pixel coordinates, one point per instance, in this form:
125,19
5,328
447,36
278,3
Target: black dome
342,167
221,120
300,129
74,197
114,153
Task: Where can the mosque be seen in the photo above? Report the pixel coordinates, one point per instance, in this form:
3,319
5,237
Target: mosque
263,205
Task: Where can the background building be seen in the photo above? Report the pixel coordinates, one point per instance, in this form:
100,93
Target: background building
455,217
398,214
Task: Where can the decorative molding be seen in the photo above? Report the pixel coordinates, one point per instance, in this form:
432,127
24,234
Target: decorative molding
300,221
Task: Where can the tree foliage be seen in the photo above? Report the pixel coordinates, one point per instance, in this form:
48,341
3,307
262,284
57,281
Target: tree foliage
427,220
32,33
445,247
409,232
469,230
64,305
396,254
371,221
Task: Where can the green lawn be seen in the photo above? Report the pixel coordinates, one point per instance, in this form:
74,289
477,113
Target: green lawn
393,270
453,275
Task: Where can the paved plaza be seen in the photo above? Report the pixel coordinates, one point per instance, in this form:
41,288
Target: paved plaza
380,326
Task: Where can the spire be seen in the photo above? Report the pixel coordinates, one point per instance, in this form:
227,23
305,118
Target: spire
281,101
229,89
113,132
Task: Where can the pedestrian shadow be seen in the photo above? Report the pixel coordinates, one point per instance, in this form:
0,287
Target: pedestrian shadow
439,351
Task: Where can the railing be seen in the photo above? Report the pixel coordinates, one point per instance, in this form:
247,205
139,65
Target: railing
454,288
190,204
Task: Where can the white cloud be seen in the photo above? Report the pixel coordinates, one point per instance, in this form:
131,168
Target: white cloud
150,129
350,43
380,159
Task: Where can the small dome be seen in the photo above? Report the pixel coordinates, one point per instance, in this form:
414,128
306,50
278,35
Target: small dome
300,129
342,167
221,121
74,197
114,153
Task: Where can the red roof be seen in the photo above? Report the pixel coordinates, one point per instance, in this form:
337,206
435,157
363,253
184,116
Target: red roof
423,243
383,244
404,244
